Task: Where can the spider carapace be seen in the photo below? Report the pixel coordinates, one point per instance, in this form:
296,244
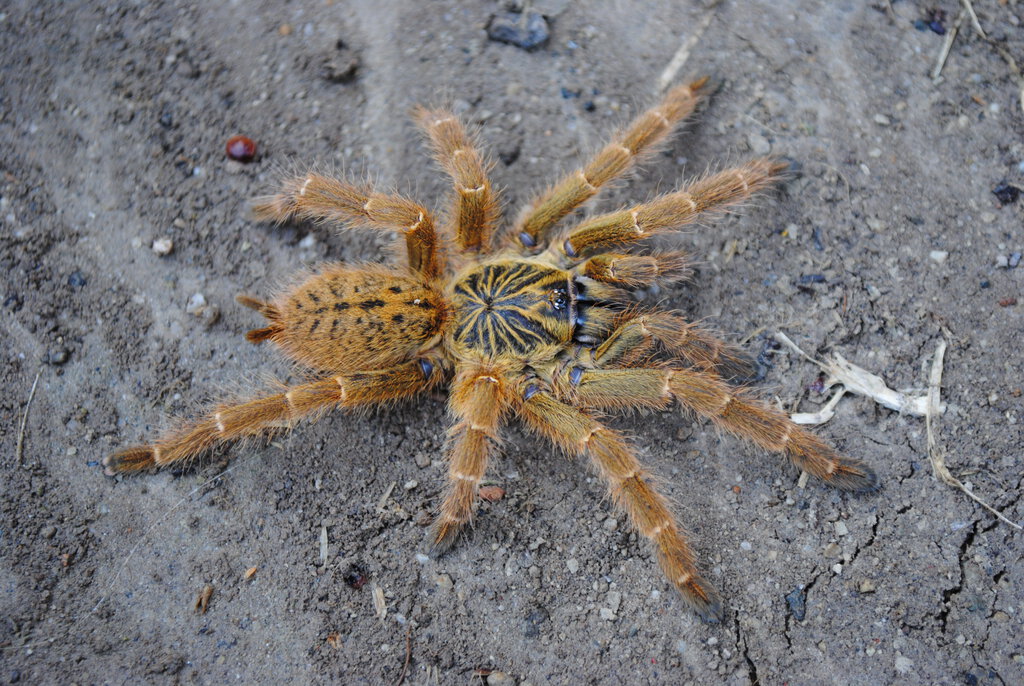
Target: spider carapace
532,322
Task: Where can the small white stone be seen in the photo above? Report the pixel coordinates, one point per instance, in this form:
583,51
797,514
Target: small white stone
614,599
938,256
875,152
903,664
837,568
573,565
196,304
611,524
881,120
422,559
410,484
841,529
607,614
308,241
163,246
745,545
759,145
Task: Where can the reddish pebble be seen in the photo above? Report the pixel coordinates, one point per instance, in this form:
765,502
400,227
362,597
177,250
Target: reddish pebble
1007,302
492,494
241,148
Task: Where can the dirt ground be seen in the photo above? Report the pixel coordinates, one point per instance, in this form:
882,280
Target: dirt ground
113,122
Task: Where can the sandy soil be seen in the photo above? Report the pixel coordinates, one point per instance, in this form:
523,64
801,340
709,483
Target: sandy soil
113,120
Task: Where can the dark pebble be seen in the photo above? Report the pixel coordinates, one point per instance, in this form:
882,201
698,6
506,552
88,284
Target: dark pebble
355,577
812,278
985,284
531,625
937,27
76,280
589,106
568,94
816,234
1006,193
797,600
1014,260
526,32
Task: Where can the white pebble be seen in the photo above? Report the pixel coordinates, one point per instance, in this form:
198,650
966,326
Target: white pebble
881,120
196,304
573,565
163,246
938,256
841,529
745,545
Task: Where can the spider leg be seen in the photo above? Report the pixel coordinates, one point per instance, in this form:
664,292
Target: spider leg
735,410
476,207
671,211
630,487
322,198
479,399
615,159
260,415
636,271
685,340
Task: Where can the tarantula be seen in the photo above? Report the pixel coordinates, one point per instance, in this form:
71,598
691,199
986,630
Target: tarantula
531,322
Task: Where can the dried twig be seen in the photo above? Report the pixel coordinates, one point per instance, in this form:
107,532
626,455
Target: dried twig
947,45
668,75
936,455
24,419
408,655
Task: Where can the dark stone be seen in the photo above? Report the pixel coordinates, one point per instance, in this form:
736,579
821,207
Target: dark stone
527,31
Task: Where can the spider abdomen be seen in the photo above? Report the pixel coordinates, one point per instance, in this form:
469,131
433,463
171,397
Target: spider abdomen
513,309
348,318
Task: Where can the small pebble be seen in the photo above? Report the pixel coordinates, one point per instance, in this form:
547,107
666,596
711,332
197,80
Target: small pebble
444,582
759,145
866,586
745,545
1014,260
492,494
422,558
611,524
410,484
1002,261
607,614
422,460
904,664
499,679
240,149
163,246
613,599
841,529
58,356
1006,193
48,532
510,28
797,601
76,280
1007,302
832,550
196,303
837,568
881,120
573,565
938,256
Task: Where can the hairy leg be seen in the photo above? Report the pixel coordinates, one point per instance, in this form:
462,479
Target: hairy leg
231,421
732,409
642,136
322,198
479,400
476,206
630,487
673,210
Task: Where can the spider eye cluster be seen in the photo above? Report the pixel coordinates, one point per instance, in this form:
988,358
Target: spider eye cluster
559,299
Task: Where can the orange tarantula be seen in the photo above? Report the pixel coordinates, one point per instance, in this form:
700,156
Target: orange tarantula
532,322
